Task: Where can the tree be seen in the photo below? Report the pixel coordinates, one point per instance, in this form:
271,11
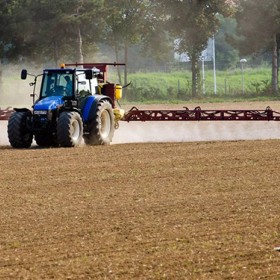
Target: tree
63,27
13,41
193,22
155,40
259,24
14,21
226,54
125,22
47,30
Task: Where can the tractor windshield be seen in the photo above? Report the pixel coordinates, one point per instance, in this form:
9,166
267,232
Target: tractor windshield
57,83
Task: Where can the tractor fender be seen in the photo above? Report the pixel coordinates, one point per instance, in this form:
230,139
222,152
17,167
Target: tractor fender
22,110
25,110
89,106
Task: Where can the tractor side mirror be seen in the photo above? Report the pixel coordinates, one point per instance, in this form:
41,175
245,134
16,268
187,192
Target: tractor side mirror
23,74
88,74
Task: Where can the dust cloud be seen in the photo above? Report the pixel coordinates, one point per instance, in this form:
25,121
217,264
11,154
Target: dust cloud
15,92
145,132
3,133
141,132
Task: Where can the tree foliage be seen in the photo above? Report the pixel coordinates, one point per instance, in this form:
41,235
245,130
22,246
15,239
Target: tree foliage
67,30
193,22
259,24
47,30
132,22
226,55
14,20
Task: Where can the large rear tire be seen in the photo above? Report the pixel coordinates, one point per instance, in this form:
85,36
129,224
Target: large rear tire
102,128
19,136
69,129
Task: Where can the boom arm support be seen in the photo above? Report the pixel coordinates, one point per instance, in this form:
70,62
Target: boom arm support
103,67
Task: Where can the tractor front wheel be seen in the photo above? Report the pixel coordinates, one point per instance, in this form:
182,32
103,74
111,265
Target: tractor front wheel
45,140
69,129
19,136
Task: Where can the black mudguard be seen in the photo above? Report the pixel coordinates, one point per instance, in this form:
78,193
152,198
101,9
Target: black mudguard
22,110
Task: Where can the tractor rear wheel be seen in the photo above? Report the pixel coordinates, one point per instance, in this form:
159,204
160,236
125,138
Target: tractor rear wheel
101,129
69,129
18,134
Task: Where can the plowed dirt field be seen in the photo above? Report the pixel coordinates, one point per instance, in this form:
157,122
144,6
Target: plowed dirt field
185,210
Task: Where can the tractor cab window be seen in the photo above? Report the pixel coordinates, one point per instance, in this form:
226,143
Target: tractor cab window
57,83
84,87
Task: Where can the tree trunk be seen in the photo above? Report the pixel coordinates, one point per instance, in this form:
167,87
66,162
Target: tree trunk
275,66
278,61
1,83
125,61
80,58
195,74
79,50
117,60
55,52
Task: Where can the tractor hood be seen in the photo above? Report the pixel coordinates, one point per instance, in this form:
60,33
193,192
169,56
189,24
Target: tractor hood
49,103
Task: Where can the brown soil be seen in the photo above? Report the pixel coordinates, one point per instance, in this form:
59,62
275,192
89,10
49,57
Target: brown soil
201,210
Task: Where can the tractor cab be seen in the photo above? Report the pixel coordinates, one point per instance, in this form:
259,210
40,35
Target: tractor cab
68,83
57,83
86,82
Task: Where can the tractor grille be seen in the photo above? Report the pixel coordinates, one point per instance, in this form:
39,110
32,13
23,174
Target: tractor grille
40,121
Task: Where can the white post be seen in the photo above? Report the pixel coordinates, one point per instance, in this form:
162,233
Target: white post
242,73
203,75
242,62
214,66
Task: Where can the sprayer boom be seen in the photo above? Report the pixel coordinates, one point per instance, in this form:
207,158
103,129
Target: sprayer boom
197,114
6,113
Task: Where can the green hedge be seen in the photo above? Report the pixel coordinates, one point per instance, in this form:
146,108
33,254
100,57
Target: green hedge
146,87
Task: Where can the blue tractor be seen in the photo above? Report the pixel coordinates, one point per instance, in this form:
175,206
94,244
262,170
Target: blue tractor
74,103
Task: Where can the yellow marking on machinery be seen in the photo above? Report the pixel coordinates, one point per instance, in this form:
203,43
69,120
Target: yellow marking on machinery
119,114
118,92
